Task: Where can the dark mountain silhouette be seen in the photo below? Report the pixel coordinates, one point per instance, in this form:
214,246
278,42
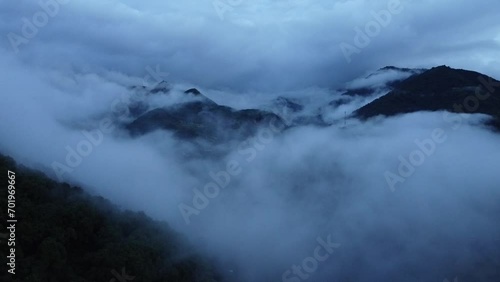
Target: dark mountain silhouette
202,119
193,91
439,89
370,90
64,234
386,68
288,104
363,91
139,106
163,87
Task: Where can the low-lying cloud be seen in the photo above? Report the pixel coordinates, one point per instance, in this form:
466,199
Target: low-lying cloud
263,45
303,183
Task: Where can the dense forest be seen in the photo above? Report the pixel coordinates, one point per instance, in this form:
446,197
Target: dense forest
64,234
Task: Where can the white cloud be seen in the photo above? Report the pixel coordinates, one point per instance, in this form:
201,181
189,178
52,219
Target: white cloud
308,181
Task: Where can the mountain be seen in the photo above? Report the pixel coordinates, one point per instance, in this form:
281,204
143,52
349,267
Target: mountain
386,77
202,119
163,87
389,91
438,89
193,91
64,234
288,104
139,102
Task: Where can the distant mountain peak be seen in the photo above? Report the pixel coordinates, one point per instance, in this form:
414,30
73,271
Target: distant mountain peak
386,68
437,89
288,104
442,67
193,91
163,87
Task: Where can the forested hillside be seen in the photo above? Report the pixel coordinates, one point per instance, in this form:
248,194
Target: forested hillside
64,234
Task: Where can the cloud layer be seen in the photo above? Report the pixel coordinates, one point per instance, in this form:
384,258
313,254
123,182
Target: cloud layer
292,189
293,186
271,45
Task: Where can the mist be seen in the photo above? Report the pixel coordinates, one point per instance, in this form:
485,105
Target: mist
288,187
259,206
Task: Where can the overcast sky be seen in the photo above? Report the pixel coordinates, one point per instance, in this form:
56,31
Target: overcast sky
258,44
306,182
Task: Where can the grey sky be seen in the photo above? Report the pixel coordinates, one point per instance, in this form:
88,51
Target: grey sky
62,81
260,44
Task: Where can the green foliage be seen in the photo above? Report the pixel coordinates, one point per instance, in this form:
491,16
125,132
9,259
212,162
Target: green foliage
63,234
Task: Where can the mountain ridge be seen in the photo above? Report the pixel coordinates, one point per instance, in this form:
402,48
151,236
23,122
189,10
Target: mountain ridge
438,89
